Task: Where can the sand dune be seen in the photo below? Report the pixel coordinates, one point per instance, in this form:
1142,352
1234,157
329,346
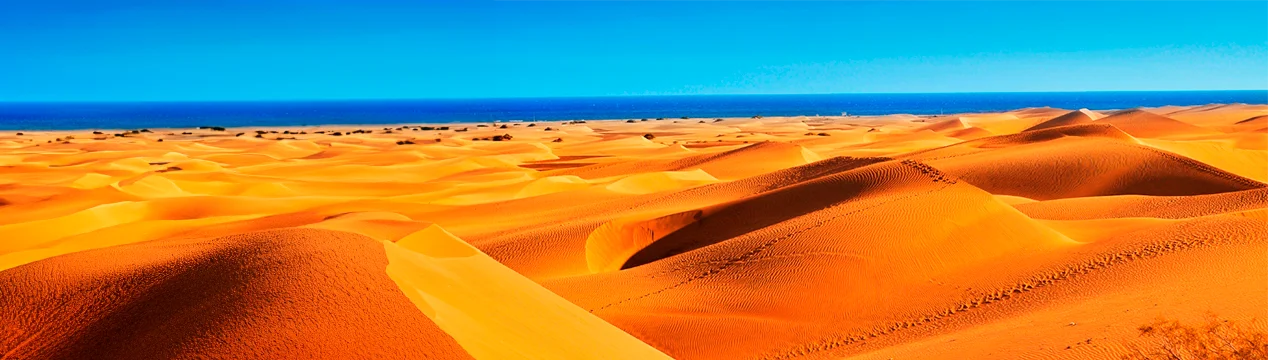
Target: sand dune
1079,161
280,294
1034,233
1141,123
1082,116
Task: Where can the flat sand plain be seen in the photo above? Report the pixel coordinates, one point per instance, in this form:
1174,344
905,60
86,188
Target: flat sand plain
1031,234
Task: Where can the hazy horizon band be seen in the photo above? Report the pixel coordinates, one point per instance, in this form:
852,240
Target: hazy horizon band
126,115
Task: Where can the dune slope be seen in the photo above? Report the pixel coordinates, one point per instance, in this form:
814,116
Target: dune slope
273,294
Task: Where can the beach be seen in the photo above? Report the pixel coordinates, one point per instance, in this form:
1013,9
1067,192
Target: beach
1030,233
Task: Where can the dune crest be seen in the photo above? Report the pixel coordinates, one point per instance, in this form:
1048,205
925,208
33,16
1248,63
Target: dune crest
495,313
1142,123
1081,116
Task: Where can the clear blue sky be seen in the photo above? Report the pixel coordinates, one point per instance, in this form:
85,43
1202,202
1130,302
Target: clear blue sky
53,50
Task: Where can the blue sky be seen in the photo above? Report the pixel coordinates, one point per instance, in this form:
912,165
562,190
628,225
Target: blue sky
272,50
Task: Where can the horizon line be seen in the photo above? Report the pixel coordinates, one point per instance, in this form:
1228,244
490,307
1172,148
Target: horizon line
298,100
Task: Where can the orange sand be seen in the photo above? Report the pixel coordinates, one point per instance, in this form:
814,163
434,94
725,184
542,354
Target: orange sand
1036,233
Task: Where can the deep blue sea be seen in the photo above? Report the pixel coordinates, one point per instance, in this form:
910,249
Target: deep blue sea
136,115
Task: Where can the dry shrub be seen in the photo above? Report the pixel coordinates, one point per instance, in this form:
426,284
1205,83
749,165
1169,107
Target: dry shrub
1216,340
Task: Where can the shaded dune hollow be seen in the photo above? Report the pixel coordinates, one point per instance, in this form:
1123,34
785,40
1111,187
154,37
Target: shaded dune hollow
1037,233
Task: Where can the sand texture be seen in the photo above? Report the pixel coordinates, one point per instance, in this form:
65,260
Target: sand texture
1030,234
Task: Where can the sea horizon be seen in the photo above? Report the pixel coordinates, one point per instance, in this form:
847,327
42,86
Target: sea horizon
78,115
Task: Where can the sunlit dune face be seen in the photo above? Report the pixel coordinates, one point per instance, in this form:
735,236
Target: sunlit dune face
1036,233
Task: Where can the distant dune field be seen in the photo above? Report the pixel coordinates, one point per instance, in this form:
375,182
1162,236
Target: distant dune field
1032,234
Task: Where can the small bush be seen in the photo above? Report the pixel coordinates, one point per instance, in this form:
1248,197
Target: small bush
1218,339
649,136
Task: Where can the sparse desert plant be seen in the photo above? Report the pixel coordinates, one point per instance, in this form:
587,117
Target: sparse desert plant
649,136
1215,340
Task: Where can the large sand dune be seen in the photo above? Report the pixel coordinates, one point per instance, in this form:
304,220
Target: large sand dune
1035,233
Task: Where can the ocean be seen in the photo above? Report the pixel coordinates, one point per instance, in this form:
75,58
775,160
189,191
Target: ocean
137,115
